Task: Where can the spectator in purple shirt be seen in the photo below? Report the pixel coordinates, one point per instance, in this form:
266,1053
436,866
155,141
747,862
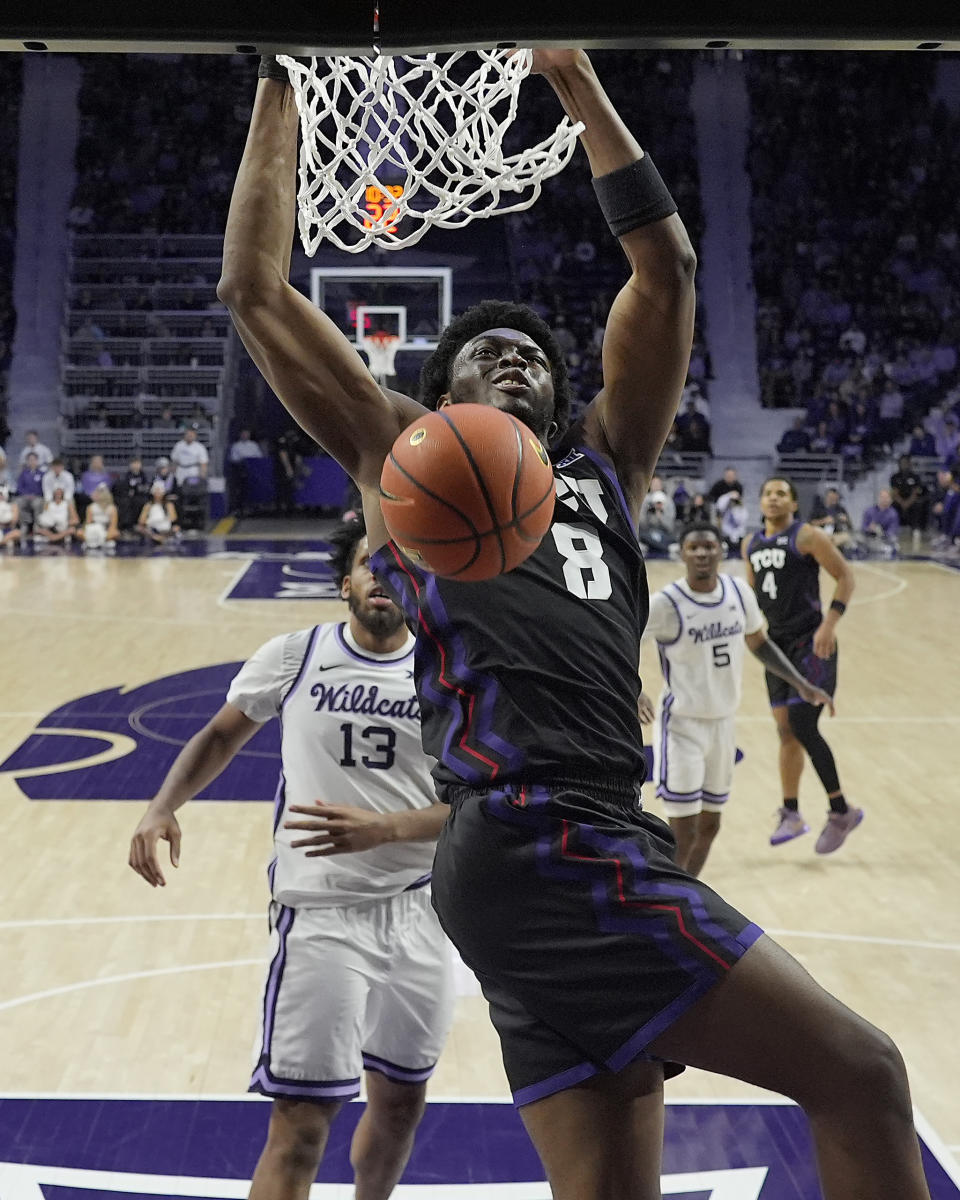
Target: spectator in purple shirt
922,444
94,475
30,491
880,522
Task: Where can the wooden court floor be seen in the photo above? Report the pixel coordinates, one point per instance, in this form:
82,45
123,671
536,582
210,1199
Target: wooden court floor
109,987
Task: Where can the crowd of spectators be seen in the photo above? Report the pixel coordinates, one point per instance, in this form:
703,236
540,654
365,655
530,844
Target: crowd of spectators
10,77
43,500
856,250
671,504
160,141
565,263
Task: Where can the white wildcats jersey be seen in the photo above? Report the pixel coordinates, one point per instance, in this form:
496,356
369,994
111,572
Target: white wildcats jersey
350,735
700,639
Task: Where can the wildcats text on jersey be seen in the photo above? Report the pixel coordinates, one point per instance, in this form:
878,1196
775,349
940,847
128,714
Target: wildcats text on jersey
713,630
359,698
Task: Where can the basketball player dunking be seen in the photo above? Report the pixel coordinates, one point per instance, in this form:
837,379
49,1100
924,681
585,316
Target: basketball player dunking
702,624
783,567
360,976
605,965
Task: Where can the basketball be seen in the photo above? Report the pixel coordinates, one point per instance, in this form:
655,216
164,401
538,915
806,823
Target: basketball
467,492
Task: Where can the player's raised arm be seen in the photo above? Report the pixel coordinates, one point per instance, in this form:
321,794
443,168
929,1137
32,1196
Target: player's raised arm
315,371
646,347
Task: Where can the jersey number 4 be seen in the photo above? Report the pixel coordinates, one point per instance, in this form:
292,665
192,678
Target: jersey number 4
379,740
769,585
584,571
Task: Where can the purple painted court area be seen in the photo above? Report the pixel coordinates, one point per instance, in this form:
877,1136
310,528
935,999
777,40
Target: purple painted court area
158,718
149,725
469,1143
304,576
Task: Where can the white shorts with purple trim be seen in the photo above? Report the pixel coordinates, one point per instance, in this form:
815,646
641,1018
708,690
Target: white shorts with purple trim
365,986
695,758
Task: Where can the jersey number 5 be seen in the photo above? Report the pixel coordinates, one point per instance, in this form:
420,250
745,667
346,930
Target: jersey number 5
584,571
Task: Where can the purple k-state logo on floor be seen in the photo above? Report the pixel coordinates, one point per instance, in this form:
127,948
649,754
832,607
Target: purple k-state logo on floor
118,744
84,1149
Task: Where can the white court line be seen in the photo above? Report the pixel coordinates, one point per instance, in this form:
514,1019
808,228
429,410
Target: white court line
938,719
52,922
233,581
120,746
900,585
85,984
40,922
115,617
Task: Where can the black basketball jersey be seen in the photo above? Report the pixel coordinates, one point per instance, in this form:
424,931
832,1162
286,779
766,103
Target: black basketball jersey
532,675
787,584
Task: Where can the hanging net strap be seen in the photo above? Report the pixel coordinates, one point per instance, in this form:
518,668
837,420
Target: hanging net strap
391,146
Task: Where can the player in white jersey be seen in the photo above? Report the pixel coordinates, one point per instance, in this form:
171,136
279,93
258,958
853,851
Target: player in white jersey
701,624
360,974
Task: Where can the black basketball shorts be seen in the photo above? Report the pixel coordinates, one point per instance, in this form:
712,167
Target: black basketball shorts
820,671
587,939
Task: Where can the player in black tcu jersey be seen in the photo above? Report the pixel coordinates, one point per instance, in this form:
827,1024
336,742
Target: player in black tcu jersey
783,567
604,964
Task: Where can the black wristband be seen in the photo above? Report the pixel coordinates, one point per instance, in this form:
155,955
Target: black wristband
270,69
632,196
838,606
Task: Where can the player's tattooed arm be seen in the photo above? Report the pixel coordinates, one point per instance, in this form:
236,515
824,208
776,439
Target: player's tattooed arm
345,829
777,663
816,543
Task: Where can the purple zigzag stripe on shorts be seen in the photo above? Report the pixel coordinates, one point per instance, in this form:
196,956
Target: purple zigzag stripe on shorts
624,846
272,873
395,1072
274,978
484,687
609,919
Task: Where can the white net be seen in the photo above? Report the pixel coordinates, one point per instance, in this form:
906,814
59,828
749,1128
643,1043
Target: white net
392,146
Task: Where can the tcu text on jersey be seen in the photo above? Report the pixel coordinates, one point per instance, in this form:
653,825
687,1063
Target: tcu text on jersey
768,557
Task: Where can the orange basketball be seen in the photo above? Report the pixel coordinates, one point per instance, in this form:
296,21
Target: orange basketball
467,492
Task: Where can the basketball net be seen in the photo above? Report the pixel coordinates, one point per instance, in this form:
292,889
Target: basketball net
381,351
425,134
